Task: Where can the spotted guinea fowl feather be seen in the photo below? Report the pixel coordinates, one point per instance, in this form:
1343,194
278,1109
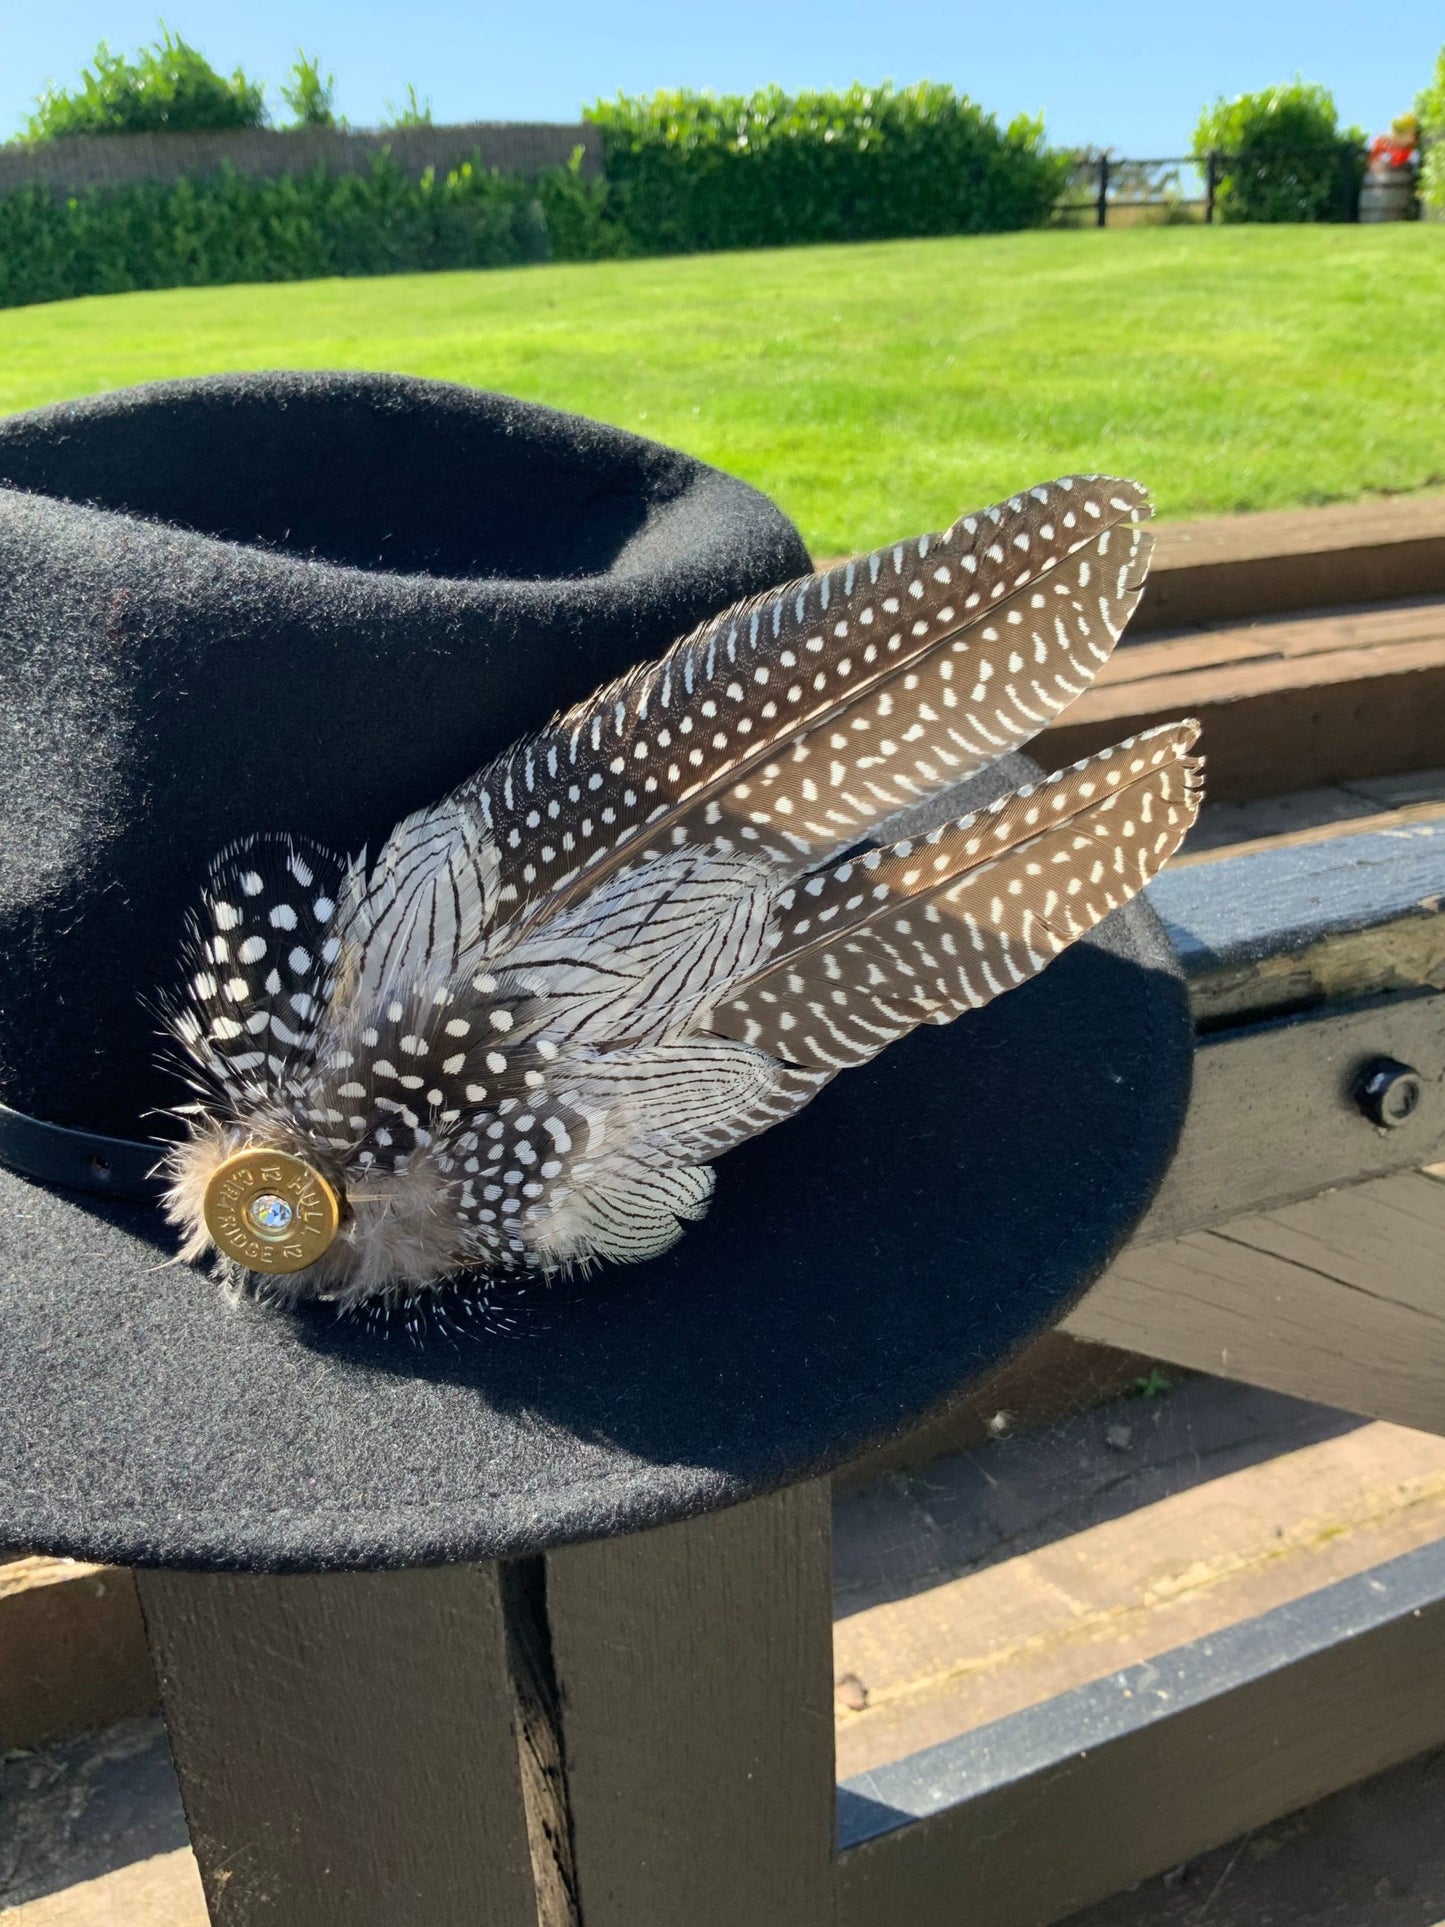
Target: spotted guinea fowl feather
952,712
515,1038
263,955
920,931
662,759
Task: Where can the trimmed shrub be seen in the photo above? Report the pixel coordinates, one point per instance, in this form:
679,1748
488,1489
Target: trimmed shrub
1430,106
167,88
1283,156
682,172
229,227
690,171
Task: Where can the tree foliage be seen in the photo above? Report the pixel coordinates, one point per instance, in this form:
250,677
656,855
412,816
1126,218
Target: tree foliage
310,94
168,87
1283,156
698,171
414,111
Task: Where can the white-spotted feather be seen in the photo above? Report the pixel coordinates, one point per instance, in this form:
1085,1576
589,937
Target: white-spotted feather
262,961
921,931
655,761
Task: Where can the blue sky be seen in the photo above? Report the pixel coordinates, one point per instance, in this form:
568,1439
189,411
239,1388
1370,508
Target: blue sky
1109,75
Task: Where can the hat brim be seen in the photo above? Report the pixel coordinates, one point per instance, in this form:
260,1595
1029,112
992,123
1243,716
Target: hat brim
902,1236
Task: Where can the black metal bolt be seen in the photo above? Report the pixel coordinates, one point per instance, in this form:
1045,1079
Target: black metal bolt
1389,1092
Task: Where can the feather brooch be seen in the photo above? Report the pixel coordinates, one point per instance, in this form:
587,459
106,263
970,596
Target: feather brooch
517,1037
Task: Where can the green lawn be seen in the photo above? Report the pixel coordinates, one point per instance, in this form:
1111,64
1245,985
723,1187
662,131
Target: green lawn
875,390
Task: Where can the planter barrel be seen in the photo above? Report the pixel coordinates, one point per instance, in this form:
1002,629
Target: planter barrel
1388,194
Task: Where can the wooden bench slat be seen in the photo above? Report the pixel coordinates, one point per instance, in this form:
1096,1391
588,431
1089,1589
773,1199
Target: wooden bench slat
1318,634
695,1670
1264,534
1041,1813
1230,911
1211,685
346,1745
1337,1299
72,1650
1246,565
995,1581
1284,725
1386,822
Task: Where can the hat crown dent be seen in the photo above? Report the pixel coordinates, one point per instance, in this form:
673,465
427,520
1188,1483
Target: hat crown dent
386,474
145,598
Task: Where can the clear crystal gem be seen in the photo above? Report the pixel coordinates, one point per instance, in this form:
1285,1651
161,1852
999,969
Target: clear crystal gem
270,1213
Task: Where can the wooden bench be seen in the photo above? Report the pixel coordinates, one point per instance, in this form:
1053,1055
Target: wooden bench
1287,704
353,1739
639,1732
1288,1251
1241,567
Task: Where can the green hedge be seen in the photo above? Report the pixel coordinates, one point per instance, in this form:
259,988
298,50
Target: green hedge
1286,157
232,227
682,172
1430,106
693,171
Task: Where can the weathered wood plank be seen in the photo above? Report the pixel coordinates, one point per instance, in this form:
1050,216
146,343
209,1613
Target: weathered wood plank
1023,1822
1310,921
1072,1564
1339,1298
1347,816
1259,902
539,1741
72,1651
1278,639
1331,529
1053,1377
1273,1116
1244,565
695,1671
345,1746
1279,725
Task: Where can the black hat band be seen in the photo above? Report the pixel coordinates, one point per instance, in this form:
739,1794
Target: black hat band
113,1167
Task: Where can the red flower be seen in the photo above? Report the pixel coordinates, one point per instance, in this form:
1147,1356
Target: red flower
1386,151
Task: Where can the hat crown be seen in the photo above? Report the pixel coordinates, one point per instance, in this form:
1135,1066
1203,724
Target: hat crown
305,603
376,472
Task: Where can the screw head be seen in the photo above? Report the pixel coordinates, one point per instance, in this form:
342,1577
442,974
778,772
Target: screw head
1389,1092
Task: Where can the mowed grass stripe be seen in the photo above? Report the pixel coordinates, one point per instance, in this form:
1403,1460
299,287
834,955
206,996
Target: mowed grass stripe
873,390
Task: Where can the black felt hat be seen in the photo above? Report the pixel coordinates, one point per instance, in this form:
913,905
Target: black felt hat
315,603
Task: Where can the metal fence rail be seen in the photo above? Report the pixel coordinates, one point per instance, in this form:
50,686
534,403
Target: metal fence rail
1180,184
1185,186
